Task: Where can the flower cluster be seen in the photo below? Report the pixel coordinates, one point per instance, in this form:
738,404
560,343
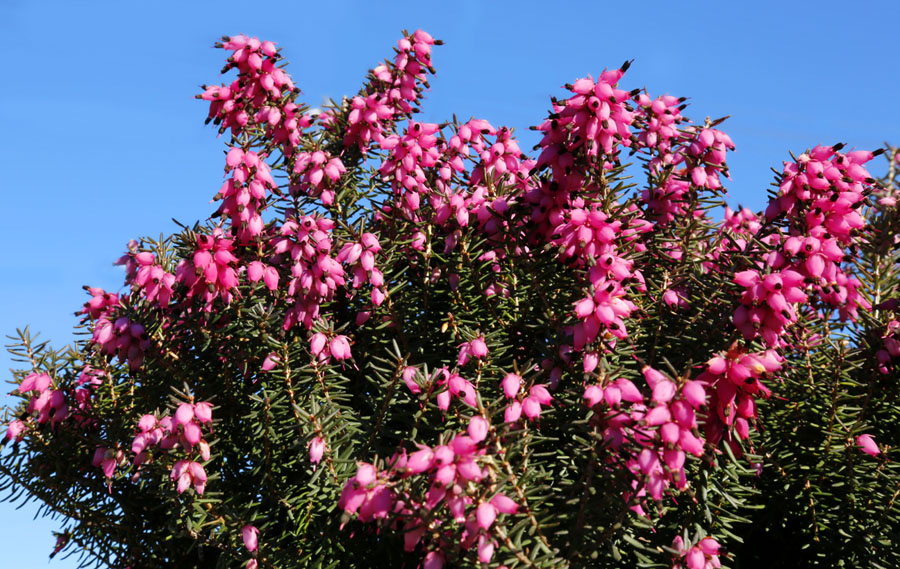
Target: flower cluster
821,188
284,122
743,225
116,334
49,404
703,555
704,156
569,212
260,86
668,201
767,304
405,164
819,196
183,430
501,161
151,279
458,485
394,90
360,256
682,160
592,234
259,271
121,337
596,118
108,459
82,396
211,272
100,303
53,405
474,348
325,348
453,385
658,121
244,194
316,174
664,428
304,246
733,380
531,404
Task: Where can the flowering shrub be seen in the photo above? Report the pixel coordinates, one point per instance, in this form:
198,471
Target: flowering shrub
400,344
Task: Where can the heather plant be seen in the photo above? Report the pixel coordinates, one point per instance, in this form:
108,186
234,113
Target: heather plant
404,344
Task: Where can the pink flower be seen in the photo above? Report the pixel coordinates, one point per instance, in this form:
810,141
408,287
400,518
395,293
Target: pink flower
192,434
478,347
485,549
35,382
234,158
664,391
107,459
420,461
594,394
184,414
531,407
868,445
203,447
709,546
541,393
255,271
203,412
694,393
147,423
251,537
316,450
511,384
15,430
695,559
652,376
317,343
513,412
504,504
485,515
271,361
591,360
340,348
188,472
584,307
433,560
409,375
478,428
366,474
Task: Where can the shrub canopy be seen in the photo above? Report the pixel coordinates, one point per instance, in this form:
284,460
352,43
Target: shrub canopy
398,343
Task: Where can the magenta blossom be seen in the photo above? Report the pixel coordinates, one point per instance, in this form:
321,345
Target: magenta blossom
867,444
251,537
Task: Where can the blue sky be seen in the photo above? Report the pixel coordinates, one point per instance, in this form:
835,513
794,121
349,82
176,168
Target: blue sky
104,141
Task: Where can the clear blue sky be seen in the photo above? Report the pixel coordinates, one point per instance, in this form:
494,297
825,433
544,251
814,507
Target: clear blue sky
104,141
